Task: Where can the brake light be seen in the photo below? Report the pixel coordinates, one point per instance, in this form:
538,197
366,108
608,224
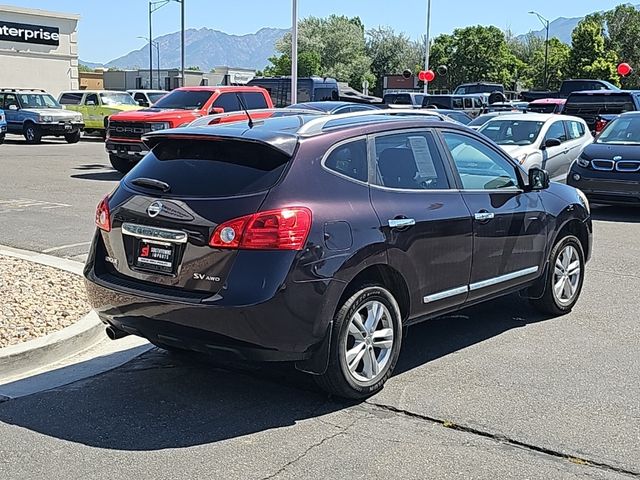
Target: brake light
600,124
282,229
103,216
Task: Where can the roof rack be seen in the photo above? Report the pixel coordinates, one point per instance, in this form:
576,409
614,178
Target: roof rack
259,114
316,126
22,90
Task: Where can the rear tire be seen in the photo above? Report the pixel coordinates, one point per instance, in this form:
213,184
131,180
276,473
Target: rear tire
2,138
73,137
564,278
365,344
122,165
32,133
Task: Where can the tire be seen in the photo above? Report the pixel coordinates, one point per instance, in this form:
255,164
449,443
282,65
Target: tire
2,138
32,133
122,165
361,380
73,137
562,262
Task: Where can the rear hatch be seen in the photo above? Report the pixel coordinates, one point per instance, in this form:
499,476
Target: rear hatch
165,211
589,106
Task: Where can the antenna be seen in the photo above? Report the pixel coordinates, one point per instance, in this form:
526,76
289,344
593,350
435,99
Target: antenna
244,108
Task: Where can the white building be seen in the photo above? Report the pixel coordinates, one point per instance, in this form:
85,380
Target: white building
38,49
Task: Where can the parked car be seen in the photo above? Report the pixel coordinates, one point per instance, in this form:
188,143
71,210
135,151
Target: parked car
334,108
608,170
456,115
472,105
540,140
403,99
179,108
547,105
480,120
147,98
3,126
306,239
568,87
35,114
96,106
600,106
478,87
310,89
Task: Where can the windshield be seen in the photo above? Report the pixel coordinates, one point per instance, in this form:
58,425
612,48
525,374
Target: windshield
117,99
184,100
621,131
459,117
154,97
480,120
469,89
398,99
38,100
512,132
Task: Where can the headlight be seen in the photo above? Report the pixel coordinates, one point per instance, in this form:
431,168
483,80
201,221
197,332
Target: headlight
583,162
584,199
160,126
46,118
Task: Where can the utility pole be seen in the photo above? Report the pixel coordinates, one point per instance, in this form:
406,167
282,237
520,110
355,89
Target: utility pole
150,48
294,52
182,51
428,45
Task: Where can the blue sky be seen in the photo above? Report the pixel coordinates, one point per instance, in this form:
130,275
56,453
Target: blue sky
109,29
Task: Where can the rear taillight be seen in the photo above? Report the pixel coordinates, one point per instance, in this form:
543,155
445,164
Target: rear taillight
282,229
600,124
103,216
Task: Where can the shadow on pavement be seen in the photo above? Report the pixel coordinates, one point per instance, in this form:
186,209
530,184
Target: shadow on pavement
612,213
109,176
163,400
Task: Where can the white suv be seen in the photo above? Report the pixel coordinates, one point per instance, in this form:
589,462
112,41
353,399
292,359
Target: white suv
146,98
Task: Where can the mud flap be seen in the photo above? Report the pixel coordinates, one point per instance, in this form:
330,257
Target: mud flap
319,361
536,291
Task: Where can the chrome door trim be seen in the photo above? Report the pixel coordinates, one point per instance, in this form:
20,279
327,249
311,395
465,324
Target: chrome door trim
503,278
153,233
445,294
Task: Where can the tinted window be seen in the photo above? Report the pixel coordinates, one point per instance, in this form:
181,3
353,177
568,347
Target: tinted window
254,100
184,99
397,99
325,94
409,160
459,117
479,167
556,131
92,97
227,101
211,168
622,131
512,132
457,103
349,159
139,96
575,129
477,103
9,100
616,103
468,103
71,98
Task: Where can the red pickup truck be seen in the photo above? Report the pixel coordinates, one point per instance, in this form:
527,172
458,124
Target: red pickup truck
176,109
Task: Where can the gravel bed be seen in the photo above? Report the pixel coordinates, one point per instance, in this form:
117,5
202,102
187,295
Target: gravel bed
36,300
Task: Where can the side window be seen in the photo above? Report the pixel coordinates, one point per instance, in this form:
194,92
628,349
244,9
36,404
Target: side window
91,97
575,129
139,96
70,98
9,100
479,167
468,103
457,103
254,100
477,103
409,161
556,130
228,102
350,159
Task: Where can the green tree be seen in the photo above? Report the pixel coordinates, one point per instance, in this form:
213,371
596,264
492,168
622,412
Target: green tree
623,36
84,68
589,58
557,70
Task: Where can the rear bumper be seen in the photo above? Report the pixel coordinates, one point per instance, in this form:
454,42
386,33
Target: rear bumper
606,187
129,149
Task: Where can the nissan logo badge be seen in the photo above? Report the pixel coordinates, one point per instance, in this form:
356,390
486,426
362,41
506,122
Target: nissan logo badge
154,209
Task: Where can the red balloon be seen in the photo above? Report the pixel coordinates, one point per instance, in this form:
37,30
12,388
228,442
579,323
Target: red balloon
429,76
624,69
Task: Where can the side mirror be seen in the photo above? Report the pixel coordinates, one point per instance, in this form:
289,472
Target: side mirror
552,142
13,107
215,110
538,179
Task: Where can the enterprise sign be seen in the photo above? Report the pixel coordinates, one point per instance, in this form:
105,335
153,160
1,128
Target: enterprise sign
25,33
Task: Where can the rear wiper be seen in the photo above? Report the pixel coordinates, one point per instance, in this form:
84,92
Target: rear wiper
151,183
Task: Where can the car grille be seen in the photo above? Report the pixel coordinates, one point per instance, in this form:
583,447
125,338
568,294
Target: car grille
128,129
623,166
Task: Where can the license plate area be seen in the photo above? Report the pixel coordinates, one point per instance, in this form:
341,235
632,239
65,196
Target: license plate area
155,256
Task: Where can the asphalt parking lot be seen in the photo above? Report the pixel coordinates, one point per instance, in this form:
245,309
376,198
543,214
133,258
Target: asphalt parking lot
495,391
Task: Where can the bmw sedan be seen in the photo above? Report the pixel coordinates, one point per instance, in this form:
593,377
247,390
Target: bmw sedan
316,239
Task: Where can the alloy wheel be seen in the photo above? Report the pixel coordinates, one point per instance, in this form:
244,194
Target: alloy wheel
369,342
566,277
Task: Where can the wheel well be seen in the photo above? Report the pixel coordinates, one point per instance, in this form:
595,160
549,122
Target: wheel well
386,277
577,229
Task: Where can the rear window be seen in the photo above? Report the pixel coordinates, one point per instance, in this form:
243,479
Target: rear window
71,98
397,99
611,103
211,168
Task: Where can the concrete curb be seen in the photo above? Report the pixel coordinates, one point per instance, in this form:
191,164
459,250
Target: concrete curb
37,353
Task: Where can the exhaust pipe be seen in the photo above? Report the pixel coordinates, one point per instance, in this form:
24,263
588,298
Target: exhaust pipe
115,333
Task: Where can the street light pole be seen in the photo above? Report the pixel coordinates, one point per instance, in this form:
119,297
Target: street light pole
157,45
182,51
155,5
150,50
546,24
294,52
428,45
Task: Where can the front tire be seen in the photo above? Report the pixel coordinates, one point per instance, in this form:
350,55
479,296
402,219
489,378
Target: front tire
120,164
365,344
32,134
73,137
564,278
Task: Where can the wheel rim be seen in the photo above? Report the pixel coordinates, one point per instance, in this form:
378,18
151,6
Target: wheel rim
369,342
566,277
30,134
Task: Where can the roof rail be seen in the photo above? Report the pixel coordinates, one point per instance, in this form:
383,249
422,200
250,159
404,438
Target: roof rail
316,126
257,114
22,90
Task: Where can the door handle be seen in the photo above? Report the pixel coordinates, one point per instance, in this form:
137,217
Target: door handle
484,216
402,222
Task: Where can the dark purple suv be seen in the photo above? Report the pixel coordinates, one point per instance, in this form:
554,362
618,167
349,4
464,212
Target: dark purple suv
315,239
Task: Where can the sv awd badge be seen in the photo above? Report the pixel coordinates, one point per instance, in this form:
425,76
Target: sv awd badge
206,278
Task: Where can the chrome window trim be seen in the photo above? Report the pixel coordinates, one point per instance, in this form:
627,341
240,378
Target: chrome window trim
434,297
502,278
153,233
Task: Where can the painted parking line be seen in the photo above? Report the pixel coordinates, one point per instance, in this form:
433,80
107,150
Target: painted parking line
64,247
22,204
